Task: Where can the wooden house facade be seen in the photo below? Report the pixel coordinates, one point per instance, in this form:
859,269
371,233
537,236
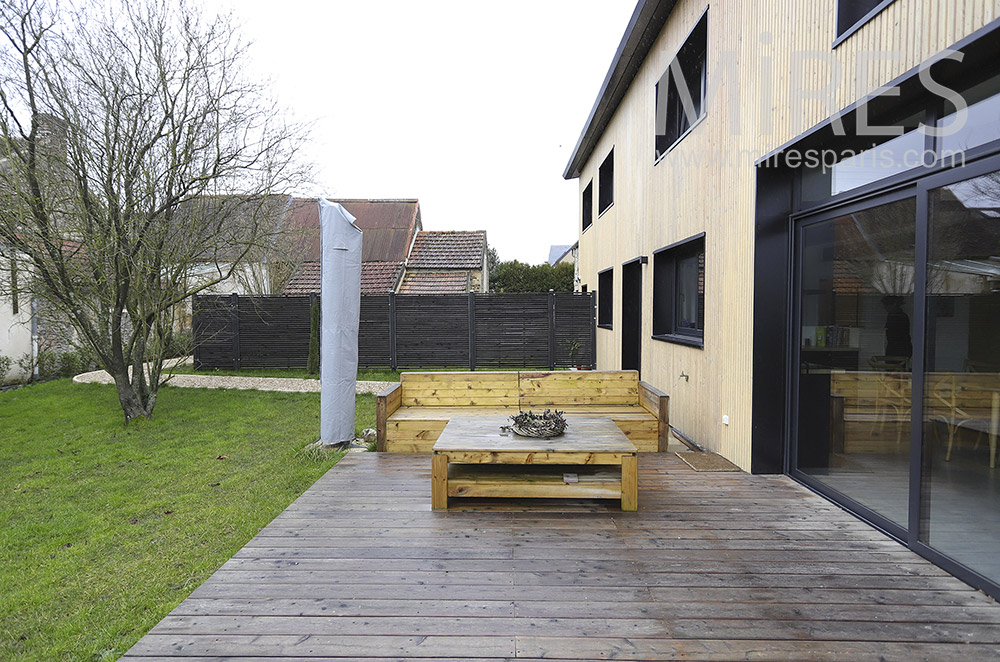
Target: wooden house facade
770,228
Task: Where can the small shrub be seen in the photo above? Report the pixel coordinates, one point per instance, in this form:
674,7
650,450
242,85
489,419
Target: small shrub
6,363
64,364
312,364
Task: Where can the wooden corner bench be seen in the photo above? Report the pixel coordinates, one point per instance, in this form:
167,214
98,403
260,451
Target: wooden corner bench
412,413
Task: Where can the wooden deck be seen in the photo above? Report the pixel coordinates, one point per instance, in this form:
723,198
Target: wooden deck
713,566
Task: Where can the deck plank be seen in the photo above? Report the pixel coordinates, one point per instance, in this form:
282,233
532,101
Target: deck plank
712,567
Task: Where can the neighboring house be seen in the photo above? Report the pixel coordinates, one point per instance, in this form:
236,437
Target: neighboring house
450,262
563,254
388,228
15,321
797,278
567,255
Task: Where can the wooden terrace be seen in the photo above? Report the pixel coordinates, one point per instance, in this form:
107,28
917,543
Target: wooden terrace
713,566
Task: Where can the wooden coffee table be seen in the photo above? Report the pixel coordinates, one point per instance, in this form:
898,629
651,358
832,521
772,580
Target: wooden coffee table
593,459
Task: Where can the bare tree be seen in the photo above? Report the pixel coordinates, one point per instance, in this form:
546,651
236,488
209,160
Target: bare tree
140,165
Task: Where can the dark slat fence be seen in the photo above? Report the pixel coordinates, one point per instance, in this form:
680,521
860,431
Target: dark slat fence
534,331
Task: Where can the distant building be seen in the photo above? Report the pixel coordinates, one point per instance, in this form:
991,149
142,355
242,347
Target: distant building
389,228
559,254
451,262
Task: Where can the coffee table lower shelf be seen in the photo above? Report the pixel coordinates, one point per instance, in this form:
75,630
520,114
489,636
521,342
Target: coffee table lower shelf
534,482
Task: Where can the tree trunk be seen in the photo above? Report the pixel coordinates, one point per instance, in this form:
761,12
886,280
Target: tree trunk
132,404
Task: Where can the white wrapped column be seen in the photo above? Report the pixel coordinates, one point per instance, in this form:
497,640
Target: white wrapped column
340,310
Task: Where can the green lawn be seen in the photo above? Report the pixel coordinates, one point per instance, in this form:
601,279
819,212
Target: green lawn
104,529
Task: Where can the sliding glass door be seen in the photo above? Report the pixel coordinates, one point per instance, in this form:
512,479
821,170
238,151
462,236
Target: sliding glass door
896,391
855,350
960,516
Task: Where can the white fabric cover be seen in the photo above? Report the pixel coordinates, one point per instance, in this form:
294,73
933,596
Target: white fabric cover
340,309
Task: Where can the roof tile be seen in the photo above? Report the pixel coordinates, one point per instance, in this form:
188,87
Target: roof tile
376,278
448,250
435,282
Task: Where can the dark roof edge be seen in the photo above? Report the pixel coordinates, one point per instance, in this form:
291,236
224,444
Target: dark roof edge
644,26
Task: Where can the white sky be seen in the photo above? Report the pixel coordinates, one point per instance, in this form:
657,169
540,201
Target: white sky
472,107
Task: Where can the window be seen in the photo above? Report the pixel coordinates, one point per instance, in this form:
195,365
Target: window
588,205
680,92
606,183
605,298
852,14
679,292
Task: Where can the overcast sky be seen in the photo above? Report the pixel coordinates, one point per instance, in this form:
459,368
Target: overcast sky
471,107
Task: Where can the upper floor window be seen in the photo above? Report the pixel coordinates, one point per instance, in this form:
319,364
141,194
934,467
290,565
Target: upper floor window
852,14
680,92
606,183
588,204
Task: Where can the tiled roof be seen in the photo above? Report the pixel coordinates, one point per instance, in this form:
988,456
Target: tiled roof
376,278
435,282
448,250
387,226
305,280
379,277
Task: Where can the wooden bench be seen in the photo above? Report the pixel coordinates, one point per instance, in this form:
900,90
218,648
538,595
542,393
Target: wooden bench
411,415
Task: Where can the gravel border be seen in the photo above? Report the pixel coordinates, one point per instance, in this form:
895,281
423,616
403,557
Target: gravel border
280,384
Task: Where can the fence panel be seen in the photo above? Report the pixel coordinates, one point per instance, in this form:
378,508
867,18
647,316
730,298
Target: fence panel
574,341
432,331
373,335
512,331
530,331
274,332
213,332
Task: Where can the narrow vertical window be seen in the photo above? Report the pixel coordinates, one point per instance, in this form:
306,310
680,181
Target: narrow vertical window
588,205
681,90
605,298
606,183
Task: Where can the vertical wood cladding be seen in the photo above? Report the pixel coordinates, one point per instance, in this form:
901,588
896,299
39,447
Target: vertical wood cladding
760,56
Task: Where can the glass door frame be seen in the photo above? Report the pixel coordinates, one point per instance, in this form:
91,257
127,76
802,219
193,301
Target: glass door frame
925,186
920,191
799,223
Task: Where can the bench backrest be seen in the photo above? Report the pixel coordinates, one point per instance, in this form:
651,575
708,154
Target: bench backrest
560,389
458,389
524,389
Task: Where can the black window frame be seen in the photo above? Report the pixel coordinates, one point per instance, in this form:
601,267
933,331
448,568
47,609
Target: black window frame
850,20
605,298
587,206
692,58
606,184
665,295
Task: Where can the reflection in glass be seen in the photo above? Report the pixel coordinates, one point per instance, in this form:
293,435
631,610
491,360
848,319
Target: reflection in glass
890,158
854,389
980,126
687,292
961,517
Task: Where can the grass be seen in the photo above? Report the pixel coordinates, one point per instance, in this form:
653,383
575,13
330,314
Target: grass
104,529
